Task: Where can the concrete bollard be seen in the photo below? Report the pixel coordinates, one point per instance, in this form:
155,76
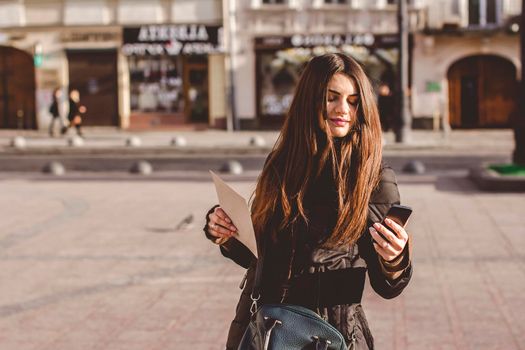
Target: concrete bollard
54,168
257,141
414,167
75,141
134,141
141,167
232,167
18,142
179,141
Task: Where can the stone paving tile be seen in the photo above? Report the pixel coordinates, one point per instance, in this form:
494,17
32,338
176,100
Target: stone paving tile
101,266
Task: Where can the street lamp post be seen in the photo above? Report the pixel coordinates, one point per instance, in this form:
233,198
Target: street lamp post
519,123
403,126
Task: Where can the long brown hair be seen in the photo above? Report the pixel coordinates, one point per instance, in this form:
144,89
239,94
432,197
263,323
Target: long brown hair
303,149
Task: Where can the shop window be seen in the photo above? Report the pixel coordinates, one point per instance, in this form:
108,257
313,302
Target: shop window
336,1
156,84
278,73
492,11
278,76
273,1
484,12
473,12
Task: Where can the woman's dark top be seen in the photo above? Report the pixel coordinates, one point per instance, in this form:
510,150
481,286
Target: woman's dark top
329,281
73,109
53,109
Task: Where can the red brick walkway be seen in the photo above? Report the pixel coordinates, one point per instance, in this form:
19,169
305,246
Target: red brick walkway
100,265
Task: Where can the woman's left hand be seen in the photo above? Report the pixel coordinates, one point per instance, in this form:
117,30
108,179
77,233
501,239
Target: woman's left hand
392,243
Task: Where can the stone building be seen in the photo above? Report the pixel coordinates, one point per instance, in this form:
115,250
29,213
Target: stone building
467,64
274,38
170,63
137,64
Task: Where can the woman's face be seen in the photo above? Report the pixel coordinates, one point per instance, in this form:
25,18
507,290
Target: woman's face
341,105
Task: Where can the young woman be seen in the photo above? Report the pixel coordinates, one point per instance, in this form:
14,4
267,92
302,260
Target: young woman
54,110
318,206
76,111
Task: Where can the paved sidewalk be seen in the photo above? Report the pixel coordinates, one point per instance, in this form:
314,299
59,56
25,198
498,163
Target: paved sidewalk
109,265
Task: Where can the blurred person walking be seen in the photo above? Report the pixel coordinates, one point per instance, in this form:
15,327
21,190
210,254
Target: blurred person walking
317,209
54,110
76,111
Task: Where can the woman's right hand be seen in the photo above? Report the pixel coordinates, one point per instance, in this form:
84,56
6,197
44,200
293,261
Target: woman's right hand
220,225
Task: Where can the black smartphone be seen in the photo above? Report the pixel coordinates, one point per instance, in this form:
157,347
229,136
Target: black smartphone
397,213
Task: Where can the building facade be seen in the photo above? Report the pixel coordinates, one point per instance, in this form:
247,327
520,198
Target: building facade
273,40
473,49
137,64
185,63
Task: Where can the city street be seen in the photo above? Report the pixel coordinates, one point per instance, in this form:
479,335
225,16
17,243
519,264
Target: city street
113,113
102,263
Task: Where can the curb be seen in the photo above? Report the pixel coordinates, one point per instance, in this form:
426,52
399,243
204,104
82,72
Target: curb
490,181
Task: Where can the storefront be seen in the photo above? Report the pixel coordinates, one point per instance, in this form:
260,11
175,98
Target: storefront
93,72
279,61
17,89
169,73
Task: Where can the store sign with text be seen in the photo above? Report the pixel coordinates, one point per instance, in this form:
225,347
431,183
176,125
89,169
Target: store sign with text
313,40
172,39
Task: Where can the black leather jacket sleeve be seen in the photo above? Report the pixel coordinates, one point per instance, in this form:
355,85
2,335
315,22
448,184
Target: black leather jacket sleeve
382,199
232,248
238,252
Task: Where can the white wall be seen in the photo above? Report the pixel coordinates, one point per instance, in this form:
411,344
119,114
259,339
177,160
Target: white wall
12,14
79,12
217,87
201,11
138,11
245,80
43,12
123,91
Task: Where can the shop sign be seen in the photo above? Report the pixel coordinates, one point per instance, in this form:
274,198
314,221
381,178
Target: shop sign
433,86
176,39
81,36
313,40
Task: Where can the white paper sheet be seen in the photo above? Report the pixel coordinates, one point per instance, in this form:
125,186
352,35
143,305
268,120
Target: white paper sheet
237,209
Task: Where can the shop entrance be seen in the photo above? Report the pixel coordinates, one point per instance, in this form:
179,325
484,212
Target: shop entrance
482,92
196,89
94,74
17,89
469,101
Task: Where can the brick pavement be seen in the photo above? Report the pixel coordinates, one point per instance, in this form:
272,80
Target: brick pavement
99,265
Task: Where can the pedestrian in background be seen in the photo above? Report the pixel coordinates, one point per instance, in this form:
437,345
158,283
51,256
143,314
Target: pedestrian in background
76,111
54,110
386,104
318,205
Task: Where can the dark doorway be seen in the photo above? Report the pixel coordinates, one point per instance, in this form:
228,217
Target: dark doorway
469,101
492,11
196,89
473,12
482,92
17,89
94,74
